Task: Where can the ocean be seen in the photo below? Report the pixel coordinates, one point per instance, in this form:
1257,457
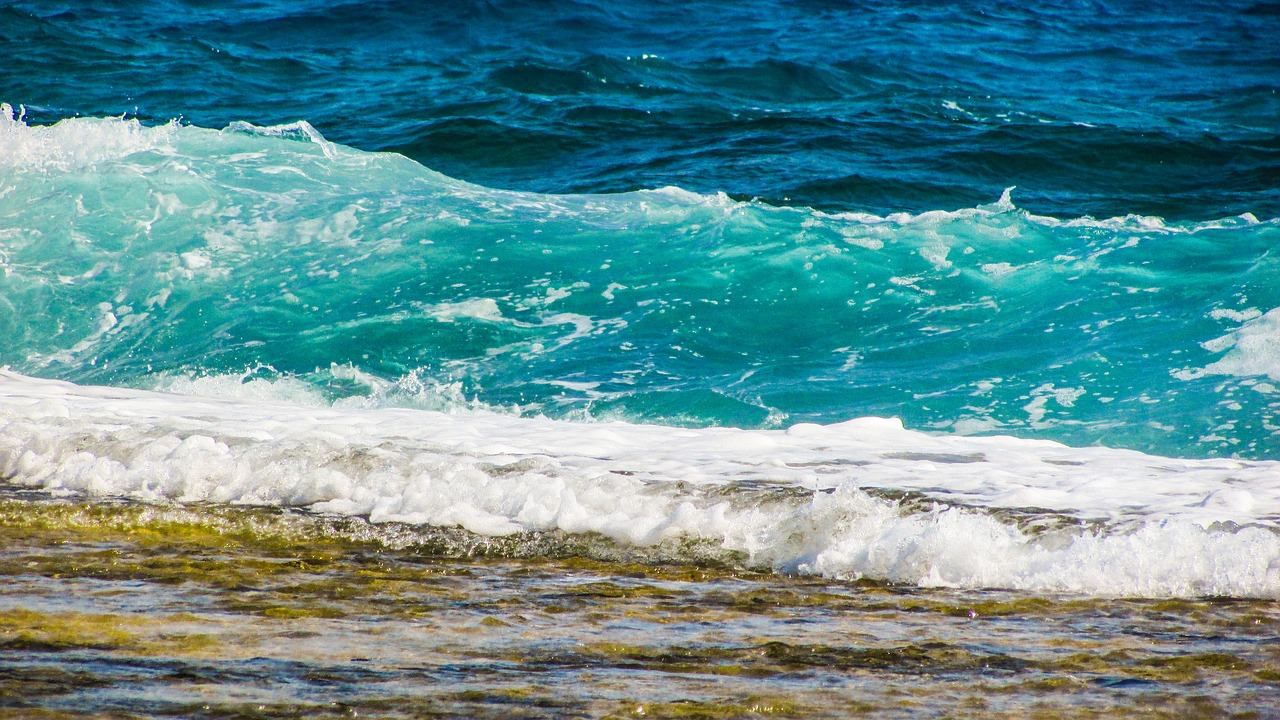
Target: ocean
584,359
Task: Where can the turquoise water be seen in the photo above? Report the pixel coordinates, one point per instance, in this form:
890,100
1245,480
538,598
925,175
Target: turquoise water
844,241
140,255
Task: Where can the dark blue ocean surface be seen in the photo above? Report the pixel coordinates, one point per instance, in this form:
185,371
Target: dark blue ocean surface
835,238
1089,108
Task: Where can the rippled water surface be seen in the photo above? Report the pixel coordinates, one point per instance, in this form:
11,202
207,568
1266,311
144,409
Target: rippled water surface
1091,108
131,611
586,359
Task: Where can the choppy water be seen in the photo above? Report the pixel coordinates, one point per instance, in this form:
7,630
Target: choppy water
977,296
143,256
1090,108
807,218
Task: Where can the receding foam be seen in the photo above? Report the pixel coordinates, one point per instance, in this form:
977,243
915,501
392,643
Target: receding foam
979,512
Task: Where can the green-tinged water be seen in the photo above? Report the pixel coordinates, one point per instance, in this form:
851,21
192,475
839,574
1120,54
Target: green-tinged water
129,611
177,253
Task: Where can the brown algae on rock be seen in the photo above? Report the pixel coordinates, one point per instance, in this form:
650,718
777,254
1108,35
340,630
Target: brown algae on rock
136,611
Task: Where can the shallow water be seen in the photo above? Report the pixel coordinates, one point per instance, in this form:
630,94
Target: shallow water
151,612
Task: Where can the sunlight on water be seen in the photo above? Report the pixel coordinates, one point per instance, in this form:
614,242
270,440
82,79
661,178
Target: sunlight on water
596,359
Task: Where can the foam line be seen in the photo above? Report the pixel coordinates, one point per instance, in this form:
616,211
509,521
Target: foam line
800,500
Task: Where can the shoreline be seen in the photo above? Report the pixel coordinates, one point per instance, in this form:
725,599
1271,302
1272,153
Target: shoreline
126,610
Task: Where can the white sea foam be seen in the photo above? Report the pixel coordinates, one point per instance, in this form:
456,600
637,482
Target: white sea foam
78,142
796,500
300,130
74,143
1252,350
1255,348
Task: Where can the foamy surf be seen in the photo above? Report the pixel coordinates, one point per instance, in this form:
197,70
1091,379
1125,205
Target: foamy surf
860,499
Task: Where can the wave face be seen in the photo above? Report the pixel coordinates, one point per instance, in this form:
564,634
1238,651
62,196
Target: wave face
175,257
392,344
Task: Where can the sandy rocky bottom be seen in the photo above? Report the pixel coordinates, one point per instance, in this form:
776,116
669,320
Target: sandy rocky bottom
116,610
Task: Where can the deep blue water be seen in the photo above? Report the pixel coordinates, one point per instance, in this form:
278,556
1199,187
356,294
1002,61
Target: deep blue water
859,262
1090,108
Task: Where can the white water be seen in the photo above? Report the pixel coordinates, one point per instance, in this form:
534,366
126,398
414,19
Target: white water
792,499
